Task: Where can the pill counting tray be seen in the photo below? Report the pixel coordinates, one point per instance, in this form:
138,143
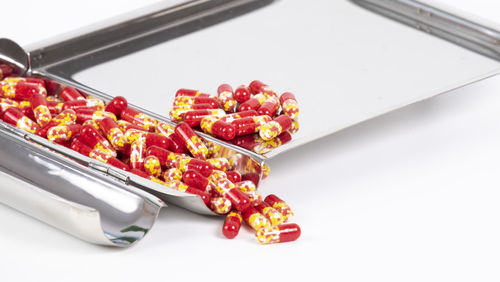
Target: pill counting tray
369,65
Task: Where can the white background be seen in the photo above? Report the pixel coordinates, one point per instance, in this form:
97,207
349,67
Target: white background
410,196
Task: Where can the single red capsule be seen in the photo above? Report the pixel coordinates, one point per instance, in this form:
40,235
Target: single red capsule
279,205
269,107
112,132
63,133
286,96
104,157
40,109
253,103
162,154
66,117
191,93
177,112
16,118
289,105
152,166
117,105
69,93
257,86
31,80
226,97
233,176
255,219
278,234
138,118
184,100
245,126
242,94
232,225
275,127
192,142
274,216
83,115
92,138
218,128
177,145
194,117
195,179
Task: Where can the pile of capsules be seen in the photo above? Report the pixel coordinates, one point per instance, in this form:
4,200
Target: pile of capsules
253,117
130,140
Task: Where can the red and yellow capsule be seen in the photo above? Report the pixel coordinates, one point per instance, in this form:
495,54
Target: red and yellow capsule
80,147
191,93
92,138
177,112
55,107
213,149
269,107
172,174
255,197
266,146
217,127
89,114
246,186
279,205
150,138
117,105
278,234
113,133
257,86
181,162
93,103
255,219
185,100
40,109
125,125
253,103
194,117
233,176
164,129
137,154
152,166
227,189
69,94
226,97
66,117
220,205
220,163
6,103
16,118
275,127
289,105
232,225
242,94
63,133
274,216
138,118
20,89
105,157
295,126
191,140
230,117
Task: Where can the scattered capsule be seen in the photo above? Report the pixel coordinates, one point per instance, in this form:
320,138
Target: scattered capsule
226,97
289,105
117,105
92,138
191,93
275,127
274,216
220,163
164,129
150,138
194,178
232,225
69,94
242,94
172,174
218,128
253,103
220,205
138,118
16,118
125,125
257,86
113,133
20,90
40,109
255,219
137,154
269,107
278,234
185,100
194,117
66,117
63,133
152,166
192,142
105,157
279,205
6,103
177,112
233,176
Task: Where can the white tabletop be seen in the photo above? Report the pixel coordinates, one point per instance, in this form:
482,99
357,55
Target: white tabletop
409,196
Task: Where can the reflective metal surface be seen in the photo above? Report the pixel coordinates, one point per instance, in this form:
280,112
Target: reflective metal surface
79,200
14,55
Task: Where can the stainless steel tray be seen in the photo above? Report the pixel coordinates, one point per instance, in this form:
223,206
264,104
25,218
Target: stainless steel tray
377,65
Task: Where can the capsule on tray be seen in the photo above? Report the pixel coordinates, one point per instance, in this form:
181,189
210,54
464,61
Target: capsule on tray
226,97
192,142
275,127
16,118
